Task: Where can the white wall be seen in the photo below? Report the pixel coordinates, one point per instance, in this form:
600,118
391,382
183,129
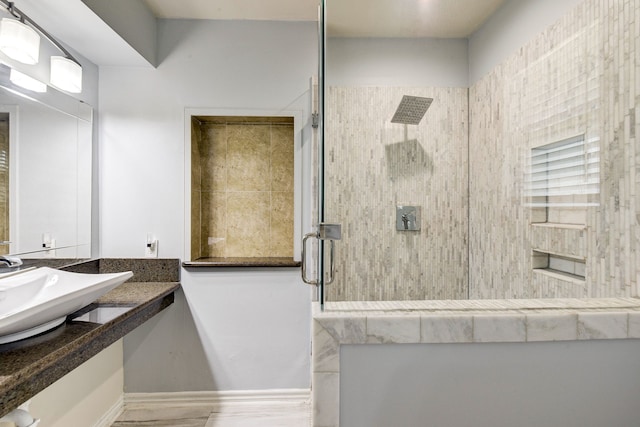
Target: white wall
568,384
441,62
509,28
132,20
396,62
234,328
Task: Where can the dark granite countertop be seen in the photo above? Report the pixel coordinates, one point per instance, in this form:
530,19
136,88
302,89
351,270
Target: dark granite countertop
242,262
30,365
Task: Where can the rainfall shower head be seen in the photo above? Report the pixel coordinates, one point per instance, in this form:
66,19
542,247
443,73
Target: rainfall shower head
411,110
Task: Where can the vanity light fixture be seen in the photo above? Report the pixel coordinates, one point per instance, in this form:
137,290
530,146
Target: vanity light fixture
26,82
66,74
21,42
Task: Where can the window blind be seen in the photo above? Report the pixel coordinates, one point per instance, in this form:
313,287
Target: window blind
570,167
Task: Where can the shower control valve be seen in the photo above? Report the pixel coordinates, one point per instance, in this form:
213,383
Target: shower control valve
407,218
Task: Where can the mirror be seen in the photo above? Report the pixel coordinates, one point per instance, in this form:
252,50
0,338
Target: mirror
45,173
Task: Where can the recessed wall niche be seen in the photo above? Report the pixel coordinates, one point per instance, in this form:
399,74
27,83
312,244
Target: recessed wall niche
242,190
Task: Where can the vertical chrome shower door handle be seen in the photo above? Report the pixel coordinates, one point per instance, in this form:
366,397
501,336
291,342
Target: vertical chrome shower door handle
332,264
330,232
305,279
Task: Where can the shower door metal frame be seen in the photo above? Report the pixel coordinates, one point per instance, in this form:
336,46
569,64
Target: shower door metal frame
322,32
330,232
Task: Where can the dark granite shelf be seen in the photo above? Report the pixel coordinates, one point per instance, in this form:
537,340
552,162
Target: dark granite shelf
242,262
30,365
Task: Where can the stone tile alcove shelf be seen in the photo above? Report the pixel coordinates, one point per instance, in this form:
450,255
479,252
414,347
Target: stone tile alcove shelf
31,365
242,191
459,321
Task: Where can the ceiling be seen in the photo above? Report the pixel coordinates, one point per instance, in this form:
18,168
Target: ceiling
82,29
352,18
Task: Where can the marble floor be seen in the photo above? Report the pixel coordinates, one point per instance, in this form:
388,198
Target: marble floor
265,415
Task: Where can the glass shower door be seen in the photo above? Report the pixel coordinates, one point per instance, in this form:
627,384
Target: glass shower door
393,167
325,234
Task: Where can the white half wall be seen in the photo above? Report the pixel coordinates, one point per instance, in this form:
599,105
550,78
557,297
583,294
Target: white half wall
231,329
570,384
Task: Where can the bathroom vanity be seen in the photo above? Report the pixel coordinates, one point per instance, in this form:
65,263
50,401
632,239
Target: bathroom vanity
30,365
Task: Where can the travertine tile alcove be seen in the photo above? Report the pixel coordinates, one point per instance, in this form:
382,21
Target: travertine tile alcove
242,189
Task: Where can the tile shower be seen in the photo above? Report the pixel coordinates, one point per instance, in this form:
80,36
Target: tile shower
481,270
242,187
466,164
426,167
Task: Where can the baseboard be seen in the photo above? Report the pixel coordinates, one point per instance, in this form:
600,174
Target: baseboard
216,398
111,415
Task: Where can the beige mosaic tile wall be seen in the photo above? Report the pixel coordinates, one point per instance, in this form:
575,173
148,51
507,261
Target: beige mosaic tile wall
372,165
242,188
578,77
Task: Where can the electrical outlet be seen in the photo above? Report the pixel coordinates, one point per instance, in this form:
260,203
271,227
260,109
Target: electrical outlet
151,247
48,244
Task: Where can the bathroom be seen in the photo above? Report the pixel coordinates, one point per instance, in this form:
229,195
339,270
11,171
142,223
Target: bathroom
237,329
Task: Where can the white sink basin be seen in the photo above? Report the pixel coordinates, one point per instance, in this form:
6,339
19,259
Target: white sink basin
35,301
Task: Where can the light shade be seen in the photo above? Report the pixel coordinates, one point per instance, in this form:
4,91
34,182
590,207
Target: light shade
26,82
66,74
19,41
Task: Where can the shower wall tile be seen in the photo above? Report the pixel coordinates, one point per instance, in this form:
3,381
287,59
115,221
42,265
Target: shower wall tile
214,223
499,328
552,327
372,165
213,149
547,284
393,329
446,329
247,228
281,225
248,159
281,158
634,325
243,206
325,350
326,389
196,224
602,325
580,76
196,189
196,168
569,241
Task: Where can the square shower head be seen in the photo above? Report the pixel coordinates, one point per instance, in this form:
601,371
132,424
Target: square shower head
411,110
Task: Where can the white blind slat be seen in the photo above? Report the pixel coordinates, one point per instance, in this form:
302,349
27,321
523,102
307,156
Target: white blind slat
564,168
